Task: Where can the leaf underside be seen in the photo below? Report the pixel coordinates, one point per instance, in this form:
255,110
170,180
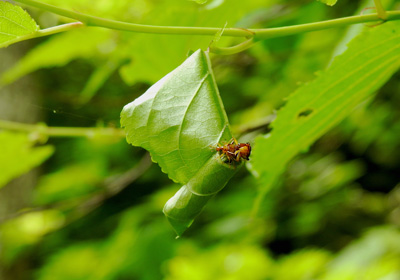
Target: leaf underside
180,120
370,60
15,24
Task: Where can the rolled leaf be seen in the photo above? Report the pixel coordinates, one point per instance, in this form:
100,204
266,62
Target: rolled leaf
179,120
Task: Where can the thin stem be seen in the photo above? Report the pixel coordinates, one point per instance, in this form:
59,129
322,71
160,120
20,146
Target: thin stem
111,186
232,50
58,29
125,26
42,129
316,26
45,32
381,11
211,31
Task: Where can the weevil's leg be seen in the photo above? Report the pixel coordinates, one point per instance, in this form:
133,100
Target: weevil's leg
237,158
231,141
229,155
237,155
235,141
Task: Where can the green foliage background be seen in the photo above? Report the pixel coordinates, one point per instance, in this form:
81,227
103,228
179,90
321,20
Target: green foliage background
95,210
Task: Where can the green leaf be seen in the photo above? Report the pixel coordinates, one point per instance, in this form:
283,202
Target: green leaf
15,24
370,60
58,51
328,2
18,156
178,120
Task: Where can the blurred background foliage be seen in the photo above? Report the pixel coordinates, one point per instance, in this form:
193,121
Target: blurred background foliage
93,208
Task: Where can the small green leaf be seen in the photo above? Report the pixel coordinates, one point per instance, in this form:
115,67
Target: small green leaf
370,60
329,2
179,120
15,24
18,156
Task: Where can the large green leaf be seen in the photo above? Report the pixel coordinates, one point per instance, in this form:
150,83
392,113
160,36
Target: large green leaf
178,120
18,156
15,24
313,109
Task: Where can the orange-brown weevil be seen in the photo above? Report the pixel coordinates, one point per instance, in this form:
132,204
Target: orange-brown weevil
234,151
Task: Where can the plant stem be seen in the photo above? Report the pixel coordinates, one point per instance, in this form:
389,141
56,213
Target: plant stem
45,32
258,34
381,11
232,50
316,26
42,129
125,26
58,29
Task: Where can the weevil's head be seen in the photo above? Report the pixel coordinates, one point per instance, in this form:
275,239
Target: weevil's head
244,150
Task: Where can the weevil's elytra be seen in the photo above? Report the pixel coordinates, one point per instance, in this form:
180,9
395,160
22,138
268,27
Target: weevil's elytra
234,151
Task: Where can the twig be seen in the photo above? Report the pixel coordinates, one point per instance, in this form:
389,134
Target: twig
113,186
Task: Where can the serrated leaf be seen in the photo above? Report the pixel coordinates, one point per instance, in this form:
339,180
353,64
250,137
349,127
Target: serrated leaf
18,156
178,120
15,24
328,2
313,109
57,51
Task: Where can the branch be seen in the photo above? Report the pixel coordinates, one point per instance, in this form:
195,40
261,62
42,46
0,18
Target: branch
258,34
125,26
112,186
116,184
43,130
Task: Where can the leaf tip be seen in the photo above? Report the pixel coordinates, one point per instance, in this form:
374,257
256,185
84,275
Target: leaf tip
328,2
179,226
